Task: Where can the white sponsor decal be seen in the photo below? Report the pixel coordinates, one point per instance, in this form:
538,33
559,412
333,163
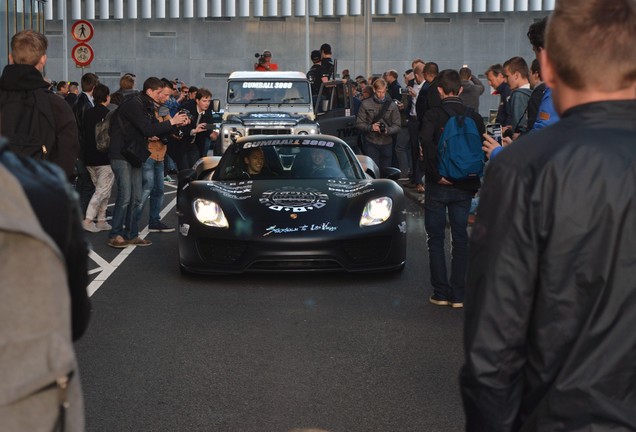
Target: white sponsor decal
349,189
325,226
294,200
283,141
402,227
266,85
184,229
235,190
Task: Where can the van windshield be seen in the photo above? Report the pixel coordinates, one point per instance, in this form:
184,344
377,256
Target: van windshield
278,92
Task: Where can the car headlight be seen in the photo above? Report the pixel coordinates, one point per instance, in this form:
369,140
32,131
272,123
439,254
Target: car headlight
376,211
209,213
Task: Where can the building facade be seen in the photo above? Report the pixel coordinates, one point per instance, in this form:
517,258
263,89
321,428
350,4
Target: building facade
201,41
16,15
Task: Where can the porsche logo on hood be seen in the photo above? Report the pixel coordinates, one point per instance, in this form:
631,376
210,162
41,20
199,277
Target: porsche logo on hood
297,200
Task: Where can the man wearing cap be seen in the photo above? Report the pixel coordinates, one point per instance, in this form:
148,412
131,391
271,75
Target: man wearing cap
315,75
265,64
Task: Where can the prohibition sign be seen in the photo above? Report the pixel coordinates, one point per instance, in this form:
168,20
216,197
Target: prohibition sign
82,54
82,31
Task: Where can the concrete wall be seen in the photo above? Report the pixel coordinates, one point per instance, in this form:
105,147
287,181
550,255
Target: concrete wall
203,52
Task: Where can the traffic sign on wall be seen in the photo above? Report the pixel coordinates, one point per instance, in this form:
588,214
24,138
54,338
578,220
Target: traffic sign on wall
82,31
82,55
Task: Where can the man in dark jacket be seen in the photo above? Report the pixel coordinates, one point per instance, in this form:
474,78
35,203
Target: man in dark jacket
197,136
496,76
549,332
134,123
444,195
83,183
23,92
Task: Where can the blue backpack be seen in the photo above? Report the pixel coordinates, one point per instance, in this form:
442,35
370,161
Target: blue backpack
459,152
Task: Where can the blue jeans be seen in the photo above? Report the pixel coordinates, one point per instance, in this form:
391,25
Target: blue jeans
439,199
128,182
382,154
152,186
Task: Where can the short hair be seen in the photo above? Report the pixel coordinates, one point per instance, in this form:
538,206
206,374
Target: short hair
517,64
89,81
154,83
379,83
61,84
416,61
535,67
325,48
604,34
73,84
203,92
419,69
168,83
127,82
28,47
465,73
100,93
449,81
536,33
393,73
431,68
192,89
496,69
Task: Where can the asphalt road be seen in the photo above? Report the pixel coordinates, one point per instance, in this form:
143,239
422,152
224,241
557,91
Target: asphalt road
166,352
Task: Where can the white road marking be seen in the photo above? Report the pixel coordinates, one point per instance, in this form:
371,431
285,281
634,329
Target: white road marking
105,268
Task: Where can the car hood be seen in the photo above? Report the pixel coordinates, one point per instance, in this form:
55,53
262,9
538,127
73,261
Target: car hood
276,207
258,118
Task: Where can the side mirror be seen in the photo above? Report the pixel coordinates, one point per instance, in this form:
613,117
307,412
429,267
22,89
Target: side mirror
390,173
216,105
186,176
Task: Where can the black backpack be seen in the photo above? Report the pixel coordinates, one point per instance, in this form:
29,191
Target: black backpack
22,117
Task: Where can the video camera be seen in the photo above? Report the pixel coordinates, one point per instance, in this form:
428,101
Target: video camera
261,58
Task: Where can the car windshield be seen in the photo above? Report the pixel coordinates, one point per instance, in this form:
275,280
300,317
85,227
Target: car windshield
283,92
265,160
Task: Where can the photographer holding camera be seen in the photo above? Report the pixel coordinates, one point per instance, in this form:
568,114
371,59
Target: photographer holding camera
199,134
379,119
265,62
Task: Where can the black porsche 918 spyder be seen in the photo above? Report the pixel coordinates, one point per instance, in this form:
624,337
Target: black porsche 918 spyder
290,203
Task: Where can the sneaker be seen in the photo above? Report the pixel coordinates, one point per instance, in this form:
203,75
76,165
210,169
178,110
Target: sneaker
455,304
103,226
138,241
169,179
118,242
89,226
160,227
438,300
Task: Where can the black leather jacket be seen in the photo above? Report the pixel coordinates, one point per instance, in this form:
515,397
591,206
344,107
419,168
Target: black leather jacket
549,333
139,123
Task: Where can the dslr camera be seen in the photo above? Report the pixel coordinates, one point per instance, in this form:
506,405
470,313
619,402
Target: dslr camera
382,128
186,112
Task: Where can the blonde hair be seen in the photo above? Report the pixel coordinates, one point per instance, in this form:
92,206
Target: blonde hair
379,83
28,47
603,33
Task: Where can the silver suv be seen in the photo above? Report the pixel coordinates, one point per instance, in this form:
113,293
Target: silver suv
267,103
